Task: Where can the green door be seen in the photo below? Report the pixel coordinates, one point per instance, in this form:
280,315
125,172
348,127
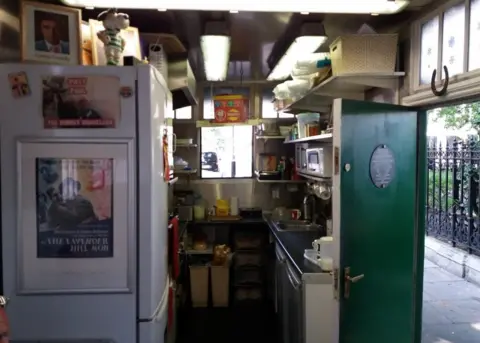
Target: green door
382,171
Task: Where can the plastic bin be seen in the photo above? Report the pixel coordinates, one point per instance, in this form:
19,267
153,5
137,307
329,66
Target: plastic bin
220,276
364,53
199,285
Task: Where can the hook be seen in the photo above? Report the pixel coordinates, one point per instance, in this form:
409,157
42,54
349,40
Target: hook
442,91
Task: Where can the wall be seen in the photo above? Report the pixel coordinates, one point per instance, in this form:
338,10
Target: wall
9,30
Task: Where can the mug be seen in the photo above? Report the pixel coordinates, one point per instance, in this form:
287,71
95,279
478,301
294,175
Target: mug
295,214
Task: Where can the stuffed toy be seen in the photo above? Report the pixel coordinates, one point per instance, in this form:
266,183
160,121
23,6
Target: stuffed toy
111,37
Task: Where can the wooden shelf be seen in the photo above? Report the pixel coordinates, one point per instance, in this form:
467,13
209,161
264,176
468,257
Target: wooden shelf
327,137
185,171
281,181
186,145
347,86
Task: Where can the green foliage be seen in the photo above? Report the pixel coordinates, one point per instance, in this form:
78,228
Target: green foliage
459,116
440,185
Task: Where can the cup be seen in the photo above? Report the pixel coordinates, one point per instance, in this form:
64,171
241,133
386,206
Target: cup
295,214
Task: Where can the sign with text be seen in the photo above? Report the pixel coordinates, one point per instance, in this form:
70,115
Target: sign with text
74,208
81,101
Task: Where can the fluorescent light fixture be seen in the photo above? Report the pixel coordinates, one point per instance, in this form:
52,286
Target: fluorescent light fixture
216,55
312,36
312,6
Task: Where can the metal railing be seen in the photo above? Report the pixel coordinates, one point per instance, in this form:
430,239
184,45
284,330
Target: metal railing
453,195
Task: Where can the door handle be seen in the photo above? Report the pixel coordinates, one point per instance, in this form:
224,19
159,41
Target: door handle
349,280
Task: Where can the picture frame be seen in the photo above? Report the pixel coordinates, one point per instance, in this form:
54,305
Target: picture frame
51,258
132,44
54,37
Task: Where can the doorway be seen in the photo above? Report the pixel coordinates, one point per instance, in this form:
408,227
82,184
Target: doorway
451,290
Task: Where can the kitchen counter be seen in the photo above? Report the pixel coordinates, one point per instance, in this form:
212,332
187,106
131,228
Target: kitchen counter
294,245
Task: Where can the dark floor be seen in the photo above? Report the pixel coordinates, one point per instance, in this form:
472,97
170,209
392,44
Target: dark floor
236,324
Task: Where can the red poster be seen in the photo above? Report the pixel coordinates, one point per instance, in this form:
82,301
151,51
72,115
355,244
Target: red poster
81,101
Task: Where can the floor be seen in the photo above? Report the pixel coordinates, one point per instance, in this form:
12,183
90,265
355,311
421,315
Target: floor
232,325
451,308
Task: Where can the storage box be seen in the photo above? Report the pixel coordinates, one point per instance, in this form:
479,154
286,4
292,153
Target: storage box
230,108
199,285
365,53
220,285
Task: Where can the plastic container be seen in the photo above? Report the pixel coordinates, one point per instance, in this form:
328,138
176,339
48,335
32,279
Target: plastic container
223,208
220,276
199,285
303,120
198,212
364,53
326,253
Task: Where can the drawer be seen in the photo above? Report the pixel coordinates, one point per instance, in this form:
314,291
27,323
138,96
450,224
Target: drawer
248,259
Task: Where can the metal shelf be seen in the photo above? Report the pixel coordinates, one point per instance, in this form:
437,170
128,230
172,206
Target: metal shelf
186,145
325,137
185,171
281,181
347,86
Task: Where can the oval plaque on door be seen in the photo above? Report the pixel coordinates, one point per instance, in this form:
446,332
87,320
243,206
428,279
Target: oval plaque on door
382,166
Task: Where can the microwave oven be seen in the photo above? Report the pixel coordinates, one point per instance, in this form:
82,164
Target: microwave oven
318,162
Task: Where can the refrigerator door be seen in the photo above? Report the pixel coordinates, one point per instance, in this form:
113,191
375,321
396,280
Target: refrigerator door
152,332
152,193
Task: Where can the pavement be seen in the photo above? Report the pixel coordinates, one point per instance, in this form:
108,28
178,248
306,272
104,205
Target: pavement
451,308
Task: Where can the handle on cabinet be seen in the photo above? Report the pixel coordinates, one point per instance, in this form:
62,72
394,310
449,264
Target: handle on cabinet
174,148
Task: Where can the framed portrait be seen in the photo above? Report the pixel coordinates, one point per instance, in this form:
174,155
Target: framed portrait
51,34
130,35
72,236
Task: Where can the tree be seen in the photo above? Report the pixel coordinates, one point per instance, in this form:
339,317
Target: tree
465,116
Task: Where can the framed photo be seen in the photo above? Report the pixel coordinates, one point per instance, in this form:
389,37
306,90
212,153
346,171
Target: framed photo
76,101
132,43
72,236
50,33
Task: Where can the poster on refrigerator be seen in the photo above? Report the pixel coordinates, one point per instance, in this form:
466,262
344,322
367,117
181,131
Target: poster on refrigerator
81,101
74,208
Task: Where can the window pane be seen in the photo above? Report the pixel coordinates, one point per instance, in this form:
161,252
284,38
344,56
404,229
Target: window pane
454,39
429,50
184,113
474,48
221,147
209,93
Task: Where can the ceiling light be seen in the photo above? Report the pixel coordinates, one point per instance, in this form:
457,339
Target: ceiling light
89,8
233,11
304,13
161,9
317,6
216,54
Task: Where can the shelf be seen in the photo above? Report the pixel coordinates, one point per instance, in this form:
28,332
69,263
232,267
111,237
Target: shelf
347,86
281,181
173,181
315,178
208,251
270,137
208,123
186,145
327,137
185,171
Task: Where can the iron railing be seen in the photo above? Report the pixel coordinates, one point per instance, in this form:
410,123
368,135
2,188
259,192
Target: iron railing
453,195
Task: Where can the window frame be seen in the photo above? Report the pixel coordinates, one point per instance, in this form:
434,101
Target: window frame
463,85
200,151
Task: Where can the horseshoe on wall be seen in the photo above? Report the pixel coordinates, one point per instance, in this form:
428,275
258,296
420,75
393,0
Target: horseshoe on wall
444,88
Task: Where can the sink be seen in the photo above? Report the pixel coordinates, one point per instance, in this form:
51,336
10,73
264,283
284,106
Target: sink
297,225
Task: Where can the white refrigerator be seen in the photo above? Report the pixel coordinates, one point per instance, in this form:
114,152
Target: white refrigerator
120,297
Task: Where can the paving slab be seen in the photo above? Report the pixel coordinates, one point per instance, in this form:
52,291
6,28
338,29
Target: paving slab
451,308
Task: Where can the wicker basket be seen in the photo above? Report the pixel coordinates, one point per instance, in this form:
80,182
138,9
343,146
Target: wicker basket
158,58
366,53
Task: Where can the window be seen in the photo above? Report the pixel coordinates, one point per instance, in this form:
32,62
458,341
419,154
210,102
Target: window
446,39
226,152
267,106
184,113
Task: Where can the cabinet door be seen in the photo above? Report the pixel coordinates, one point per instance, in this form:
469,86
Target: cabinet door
378,209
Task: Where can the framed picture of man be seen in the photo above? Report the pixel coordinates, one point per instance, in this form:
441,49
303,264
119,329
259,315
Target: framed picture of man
51,34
